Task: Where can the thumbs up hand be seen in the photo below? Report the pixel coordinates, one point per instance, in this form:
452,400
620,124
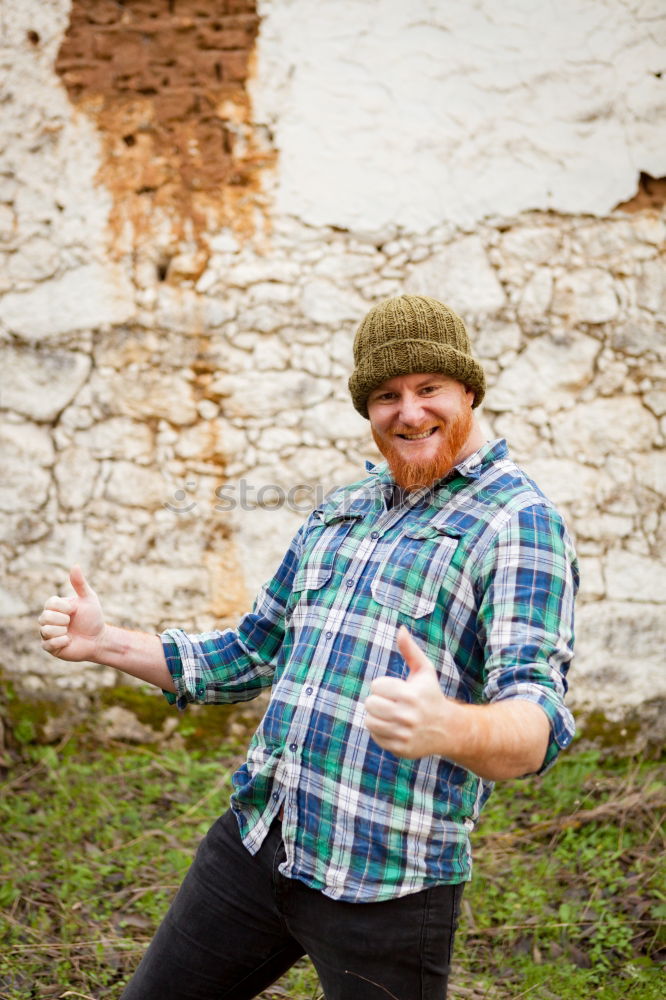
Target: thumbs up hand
71,627
410,717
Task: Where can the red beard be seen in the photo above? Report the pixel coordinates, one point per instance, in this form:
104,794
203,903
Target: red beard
411,475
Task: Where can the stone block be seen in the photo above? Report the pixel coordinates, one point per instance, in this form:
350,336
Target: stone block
592,585
75,474
548,372
183,310
633,577
27,457
324,302
332,421
117,437
311,358
522,437
82,298
534,303
7,224
270,354
34,260
563,480
532,246
639,335
135,486
12,604
650,472
651,286
493,339
343,267
619,654
460,275
655,400
246,395
274,440
587,295
602,427
271,291
211,441
152,394
43,382
154,596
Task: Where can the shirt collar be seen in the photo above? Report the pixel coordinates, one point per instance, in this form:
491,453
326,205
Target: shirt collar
475,464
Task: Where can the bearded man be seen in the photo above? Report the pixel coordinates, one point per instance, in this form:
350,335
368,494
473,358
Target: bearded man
415,638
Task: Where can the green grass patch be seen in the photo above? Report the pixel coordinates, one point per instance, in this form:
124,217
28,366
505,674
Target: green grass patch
568,899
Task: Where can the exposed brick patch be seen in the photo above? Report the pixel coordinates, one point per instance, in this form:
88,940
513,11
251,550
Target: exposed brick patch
651,194
165,81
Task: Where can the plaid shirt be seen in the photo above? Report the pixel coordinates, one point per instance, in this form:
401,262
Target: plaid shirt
483,573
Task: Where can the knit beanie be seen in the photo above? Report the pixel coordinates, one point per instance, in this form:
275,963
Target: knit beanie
407,335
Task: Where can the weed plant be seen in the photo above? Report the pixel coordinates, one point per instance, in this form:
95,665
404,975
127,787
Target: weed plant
568,899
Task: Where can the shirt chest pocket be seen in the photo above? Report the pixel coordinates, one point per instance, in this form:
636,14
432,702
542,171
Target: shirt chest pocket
322,553
412,573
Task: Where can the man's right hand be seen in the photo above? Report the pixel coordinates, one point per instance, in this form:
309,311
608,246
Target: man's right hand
72,627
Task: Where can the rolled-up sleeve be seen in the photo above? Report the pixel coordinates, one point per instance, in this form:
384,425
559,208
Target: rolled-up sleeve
527,582
233,665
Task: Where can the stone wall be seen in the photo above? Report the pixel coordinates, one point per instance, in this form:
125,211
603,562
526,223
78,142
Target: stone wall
174,363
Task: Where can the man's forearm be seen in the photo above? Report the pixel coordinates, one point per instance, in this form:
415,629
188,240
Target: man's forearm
505,739
137,653
413,718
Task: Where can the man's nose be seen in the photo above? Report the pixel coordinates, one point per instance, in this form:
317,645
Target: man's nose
411,410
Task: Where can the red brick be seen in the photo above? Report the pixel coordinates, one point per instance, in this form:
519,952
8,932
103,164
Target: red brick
172,105
234,66
77,47
130,57
210,37
105,44
145,10
102,11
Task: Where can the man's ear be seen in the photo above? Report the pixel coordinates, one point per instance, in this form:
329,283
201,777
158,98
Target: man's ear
471,395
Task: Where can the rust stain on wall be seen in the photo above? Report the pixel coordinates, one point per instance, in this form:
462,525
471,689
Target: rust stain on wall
165,81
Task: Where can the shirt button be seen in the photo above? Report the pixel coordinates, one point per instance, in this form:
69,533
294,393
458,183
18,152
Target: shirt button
276,795
329,635
350,582
309,690
293,747
374,534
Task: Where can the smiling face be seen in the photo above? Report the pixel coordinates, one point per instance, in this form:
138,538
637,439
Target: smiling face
423,426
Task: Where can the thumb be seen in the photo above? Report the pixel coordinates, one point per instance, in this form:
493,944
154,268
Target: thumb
79,582
413,655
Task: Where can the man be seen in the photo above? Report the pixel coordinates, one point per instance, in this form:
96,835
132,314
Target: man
416,639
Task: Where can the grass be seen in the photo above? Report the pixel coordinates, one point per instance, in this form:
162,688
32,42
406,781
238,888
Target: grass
568,899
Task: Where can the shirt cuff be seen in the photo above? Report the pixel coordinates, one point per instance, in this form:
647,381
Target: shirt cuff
174,663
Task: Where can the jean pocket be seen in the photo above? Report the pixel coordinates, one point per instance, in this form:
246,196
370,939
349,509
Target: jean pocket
411,575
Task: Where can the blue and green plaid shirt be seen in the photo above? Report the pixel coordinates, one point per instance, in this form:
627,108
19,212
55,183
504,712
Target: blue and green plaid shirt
482,572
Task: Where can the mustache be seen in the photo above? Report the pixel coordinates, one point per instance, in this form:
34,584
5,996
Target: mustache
403,429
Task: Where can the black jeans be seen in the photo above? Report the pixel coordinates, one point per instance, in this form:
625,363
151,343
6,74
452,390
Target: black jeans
237,925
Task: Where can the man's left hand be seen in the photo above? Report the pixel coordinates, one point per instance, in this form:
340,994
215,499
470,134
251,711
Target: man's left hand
410,717
414,718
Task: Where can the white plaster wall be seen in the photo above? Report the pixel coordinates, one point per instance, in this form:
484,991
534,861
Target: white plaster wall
393,114
456,149
53,215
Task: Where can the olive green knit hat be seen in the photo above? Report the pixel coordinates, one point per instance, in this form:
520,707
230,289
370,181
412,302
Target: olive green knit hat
409,334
